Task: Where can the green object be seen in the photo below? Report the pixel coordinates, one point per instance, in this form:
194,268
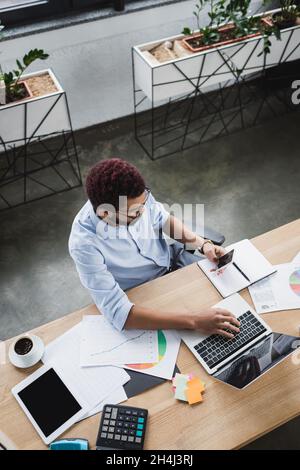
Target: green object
70,444
139,433
222,12
12,78
141,420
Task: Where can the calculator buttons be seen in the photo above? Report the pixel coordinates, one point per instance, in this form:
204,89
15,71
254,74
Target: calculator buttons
122,427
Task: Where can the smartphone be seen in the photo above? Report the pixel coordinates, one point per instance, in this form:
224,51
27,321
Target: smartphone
225,260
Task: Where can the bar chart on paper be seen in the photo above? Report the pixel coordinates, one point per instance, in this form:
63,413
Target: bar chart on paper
102,344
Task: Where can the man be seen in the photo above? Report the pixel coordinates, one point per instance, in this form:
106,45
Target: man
117,242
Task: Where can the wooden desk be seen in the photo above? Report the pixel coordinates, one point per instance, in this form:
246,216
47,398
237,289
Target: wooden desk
227,418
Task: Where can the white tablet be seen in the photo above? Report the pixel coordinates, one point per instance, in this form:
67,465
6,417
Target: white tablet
50,405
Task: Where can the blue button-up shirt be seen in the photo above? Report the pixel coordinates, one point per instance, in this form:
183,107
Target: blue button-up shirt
112,259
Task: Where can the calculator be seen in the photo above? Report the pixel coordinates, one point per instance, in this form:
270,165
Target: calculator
122,427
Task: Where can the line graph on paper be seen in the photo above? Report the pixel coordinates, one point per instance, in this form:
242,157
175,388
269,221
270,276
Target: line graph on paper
102,344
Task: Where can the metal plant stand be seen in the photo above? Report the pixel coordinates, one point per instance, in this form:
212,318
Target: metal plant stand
36,166
249,97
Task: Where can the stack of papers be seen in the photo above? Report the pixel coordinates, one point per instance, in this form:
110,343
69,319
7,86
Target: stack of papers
146,351
280,291
92,356
188,388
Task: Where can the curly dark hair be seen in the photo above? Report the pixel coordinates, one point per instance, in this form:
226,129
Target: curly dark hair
109,179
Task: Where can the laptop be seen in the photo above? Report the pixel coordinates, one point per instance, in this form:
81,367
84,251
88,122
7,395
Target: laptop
241,360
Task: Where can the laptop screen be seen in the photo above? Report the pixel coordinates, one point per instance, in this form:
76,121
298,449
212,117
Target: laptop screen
257,360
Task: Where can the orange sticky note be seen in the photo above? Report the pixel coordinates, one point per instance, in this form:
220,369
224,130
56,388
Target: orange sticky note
193,395
195,383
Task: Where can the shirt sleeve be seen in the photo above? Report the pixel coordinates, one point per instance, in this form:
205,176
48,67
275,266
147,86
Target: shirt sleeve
158,213
108,296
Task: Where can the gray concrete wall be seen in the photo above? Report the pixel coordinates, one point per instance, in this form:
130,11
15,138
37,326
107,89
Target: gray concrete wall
93,60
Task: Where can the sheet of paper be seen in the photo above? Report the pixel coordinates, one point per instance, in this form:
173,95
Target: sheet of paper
168,347
115,397
93,384
280,291
101,344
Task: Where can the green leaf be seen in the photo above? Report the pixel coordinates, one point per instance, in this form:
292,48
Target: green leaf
187,31
19,65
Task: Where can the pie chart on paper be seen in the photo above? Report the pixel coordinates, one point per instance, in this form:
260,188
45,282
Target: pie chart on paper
294,282
162,347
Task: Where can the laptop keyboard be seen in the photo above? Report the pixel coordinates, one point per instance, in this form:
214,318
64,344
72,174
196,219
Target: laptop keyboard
216,348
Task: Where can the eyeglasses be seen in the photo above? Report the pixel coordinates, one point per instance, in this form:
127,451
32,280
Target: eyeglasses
138,209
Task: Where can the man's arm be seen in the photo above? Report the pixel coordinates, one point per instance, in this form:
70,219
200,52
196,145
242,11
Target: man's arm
178,231
113,302
208,321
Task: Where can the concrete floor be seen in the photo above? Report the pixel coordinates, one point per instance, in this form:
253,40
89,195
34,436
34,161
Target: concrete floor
249,183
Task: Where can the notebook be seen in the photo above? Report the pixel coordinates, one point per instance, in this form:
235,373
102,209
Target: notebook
248,266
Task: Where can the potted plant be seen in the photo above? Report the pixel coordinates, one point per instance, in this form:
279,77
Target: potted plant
17,89
255,45
286,17
228,24
34,105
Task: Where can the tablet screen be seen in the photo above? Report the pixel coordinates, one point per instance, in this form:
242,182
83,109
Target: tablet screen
49,402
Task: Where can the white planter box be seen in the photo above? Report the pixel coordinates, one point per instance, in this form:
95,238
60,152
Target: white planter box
161,81
33,117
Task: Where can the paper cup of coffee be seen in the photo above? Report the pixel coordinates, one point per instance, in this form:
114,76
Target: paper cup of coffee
26,351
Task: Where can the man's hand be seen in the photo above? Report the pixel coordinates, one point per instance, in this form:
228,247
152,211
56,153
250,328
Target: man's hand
213,252
216,321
